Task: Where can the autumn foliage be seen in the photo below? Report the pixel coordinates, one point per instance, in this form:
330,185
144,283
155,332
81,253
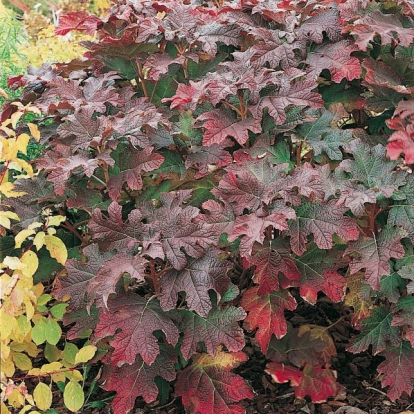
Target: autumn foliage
210,166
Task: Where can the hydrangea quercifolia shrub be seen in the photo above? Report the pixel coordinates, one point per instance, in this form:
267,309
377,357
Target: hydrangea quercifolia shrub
198,140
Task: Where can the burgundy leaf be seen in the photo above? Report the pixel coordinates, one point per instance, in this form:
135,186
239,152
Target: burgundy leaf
323,220
138,380
220,327
335,57
373,254
113,233
197,278
292,91
132,320
269,260
208,385
131,165
221,124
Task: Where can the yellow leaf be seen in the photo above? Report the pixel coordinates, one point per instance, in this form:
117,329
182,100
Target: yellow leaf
7,368
8,190
4,95
15,118
34,130
43,396
57,248
22,361
22,141
12,263
31,261
73,396
8,323
85,354
52,367
21,236
221,359
4,409
19,165
55,220
5,217
74,375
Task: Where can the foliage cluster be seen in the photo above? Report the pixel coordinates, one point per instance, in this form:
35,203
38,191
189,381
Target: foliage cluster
29,317
217,163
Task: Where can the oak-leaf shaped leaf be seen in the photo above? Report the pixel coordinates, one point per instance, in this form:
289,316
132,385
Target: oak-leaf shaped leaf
388,26
376,331
131,164
251,227
292,90
81,130
336,58
219,327
199,276
404,316
79,275
138,380
323,220
371,168
77,20
220,124
112,233
318,383
325,22
266,312
109,274
373,254
398,370
319,272
208,385
132,320
270,259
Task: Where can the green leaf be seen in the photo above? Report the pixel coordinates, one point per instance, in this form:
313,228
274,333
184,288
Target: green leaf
392,286
173,163
153,192
69,352
376,331
39,332
58,310
73,396
123,66
53,332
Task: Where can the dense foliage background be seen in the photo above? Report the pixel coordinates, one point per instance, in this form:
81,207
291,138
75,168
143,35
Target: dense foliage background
201,175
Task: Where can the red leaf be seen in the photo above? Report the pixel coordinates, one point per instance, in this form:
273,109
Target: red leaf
323,220
78,20
220,327
378,24
336,58
271,259
209,157
291,91
221,124
266,312
398,370
131,164
318,383
252,226
402,141
196,280
208,385
327,21
113,233
373,254
281,373
318,272
137,380
136,319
